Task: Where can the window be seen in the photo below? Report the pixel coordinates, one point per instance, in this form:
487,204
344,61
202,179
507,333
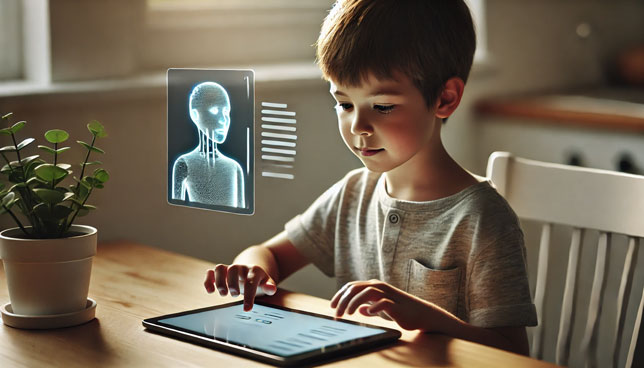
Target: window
226,32
186,33
10,40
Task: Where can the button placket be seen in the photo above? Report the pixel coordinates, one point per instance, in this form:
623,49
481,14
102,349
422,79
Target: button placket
391,229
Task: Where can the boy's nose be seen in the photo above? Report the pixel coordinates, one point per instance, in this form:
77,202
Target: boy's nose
360,126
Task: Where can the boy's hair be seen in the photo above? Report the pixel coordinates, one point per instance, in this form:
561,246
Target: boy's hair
430,41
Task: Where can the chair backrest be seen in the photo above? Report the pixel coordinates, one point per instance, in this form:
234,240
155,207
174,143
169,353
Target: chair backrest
580,198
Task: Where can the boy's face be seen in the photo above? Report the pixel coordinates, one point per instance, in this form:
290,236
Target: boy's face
386,123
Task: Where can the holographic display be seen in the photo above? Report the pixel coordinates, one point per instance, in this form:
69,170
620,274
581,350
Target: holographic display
210,139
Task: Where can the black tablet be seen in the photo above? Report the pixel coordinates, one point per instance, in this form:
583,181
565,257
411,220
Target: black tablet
272,334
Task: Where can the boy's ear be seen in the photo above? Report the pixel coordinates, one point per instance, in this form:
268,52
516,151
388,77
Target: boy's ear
450,97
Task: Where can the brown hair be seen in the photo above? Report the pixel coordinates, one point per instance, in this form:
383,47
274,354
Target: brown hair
430,41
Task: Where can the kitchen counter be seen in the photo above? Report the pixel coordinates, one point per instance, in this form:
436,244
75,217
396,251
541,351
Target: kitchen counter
606,108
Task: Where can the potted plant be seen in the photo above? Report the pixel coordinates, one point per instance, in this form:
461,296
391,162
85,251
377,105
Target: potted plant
47,258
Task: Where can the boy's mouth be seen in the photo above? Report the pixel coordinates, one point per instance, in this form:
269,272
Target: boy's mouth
369,151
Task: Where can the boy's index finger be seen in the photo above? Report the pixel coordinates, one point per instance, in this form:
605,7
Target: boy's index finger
250,289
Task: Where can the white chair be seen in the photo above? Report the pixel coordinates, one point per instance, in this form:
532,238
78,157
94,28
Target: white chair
581,198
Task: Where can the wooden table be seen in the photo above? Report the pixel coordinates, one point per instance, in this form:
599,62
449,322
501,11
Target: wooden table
131,282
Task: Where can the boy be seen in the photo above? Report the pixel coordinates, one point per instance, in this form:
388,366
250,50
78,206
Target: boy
412,236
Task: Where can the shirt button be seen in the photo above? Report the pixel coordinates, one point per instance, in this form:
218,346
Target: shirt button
394,218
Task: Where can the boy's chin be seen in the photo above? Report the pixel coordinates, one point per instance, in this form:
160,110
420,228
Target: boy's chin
373,167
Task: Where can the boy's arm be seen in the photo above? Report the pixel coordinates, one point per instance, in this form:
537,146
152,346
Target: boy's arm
277,256
412,313
259,266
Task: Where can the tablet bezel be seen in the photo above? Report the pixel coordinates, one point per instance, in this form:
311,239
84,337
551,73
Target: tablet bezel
329,352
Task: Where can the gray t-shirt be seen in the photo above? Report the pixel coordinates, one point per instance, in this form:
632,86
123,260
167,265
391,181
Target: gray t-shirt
464,252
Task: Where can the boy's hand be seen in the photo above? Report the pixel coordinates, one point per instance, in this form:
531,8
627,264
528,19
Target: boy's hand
409,311
240,279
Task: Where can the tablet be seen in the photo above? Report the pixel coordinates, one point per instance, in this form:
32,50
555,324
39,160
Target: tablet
272,334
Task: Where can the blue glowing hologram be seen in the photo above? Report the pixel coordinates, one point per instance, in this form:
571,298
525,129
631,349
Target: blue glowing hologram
208,176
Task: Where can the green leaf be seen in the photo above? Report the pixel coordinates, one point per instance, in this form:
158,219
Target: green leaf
64,166
8,149
50,196
16,176
83,183
5,169
15,128
96,129
91,148
91,163
93,182
42,210
25,143
5,131
60,211
35,179
56,136
68,196
8,199
62,149
85,210
25,161
50,172
17,186
7,116
47,149
101,175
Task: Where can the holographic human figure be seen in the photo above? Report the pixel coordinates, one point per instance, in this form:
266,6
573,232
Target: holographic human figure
205,175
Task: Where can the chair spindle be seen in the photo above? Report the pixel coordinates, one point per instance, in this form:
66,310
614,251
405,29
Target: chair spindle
589,342
567,317
539,293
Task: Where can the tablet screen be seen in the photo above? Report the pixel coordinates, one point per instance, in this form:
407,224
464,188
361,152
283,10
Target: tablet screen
265,328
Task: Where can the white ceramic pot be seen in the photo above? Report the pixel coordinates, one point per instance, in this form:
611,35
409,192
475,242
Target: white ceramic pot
48,276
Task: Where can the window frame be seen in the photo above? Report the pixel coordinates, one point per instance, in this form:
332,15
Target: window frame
11,57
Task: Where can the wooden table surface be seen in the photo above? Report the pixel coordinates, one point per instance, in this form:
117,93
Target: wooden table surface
131,282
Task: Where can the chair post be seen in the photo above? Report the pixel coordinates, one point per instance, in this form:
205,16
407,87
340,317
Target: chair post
567,316
589,343
624,296
540,290
636,349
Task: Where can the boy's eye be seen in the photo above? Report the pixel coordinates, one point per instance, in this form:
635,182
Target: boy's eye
344,106
384,109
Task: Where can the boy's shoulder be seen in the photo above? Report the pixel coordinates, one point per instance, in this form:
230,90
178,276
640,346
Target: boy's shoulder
485,201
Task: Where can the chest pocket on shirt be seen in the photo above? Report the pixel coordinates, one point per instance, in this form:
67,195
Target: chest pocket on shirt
437,286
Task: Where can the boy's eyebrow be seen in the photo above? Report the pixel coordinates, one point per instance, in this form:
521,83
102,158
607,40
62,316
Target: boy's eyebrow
379,92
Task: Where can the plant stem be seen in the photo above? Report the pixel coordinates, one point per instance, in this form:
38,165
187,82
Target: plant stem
55,153
15,144
8,162
16,219
66,226
87,157
69,224
28,198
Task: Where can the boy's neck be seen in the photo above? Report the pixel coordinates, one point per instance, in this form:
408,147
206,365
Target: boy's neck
436,175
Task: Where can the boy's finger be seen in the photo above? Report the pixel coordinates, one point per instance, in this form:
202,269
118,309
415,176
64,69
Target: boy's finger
250,289
369,294
382,305
209,281
348,295
233,279
338,295
269,287
220,279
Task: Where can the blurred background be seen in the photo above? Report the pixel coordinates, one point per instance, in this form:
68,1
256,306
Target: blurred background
559,81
